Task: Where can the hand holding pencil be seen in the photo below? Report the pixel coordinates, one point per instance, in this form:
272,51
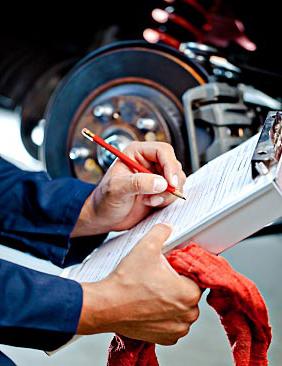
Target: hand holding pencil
128,193
132,164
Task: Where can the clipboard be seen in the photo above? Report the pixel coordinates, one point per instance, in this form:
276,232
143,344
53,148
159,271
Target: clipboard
217,229
257,206
253,212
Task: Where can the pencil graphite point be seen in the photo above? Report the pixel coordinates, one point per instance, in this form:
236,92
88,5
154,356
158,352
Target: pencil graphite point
179,195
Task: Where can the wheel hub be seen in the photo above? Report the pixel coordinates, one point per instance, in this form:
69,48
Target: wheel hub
120,115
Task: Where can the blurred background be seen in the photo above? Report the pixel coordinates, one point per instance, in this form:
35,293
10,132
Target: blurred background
199,74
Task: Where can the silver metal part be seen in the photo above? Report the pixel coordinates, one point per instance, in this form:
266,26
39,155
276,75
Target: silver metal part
37,134
221,107
195,46
261,168
103,110
146,123
223,63
120,141
257,97
79,153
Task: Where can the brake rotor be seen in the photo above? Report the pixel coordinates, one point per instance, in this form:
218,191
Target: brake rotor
34,104
125,92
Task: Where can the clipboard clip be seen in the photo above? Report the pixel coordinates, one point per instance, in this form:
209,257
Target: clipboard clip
269,147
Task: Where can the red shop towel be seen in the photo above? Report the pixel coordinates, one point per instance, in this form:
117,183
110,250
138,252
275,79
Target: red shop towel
235,298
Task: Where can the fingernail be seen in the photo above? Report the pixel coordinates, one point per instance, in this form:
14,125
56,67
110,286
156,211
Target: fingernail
156,200
167,224
174,181
160,185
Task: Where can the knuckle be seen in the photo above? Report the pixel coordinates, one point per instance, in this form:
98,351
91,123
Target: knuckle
195,314
132,146
183,177
195,296
169,147
168,197
192,292
167,202
192,315
111,185
183,331
169,342
136,183
162,342
179,165
165,146
173,341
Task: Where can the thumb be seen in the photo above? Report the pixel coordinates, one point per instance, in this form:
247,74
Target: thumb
154,239
143,183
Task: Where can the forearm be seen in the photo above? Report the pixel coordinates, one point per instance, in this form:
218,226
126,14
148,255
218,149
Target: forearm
38,215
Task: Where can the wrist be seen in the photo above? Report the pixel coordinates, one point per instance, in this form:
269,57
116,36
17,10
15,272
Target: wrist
97,313
87,322
87,223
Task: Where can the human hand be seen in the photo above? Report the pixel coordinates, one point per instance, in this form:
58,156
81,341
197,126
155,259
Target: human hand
124,198
144,298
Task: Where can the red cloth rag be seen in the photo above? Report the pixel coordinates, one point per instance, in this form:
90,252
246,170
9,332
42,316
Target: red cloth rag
235,298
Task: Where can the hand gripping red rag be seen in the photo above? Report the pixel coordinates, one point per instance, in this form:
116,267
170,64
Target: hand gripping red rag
235,298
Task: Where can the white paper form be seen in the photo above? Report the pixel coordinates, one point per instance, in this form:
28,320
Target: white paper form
219,183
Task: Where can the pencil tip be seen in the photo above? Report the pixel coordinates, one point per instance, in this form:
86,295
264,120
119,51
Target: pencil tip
179,194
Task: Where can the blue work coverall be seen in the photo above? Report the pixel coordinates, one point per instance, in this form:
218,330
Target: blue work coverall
37,215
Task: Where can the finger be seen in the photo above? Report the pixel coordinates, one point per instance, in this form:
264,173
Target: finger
173,338
182,179
191,291
154,239
159,200
167,341
161,153
191,316
134,184
162,200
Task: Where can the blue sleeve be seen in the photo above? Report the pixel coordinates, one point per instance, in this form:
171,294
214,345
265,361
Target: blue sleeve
37,310
37,214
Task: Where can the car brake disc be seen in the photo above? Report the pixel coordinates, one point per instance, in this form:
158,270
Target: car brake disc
128,91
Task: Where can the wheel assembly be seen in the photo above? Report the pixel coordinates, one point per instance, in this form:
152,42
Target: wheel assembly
140,91
129,91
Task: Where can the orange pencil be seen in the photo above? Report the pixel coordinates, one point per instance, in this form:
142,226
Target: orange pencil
125,159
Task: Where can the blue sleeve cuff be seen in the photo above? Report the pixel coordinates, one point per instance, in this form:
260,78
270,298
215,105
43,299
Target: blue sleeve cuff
37,215
38,310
